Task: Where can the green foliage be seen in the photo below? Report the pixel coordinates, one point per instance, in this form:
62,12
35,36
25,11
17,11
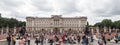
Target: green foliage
99,24
10,22
108,23
116,24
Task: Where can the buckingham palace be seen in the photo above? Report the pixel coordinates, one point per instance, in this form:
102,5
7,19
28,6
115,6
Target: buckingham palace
55,23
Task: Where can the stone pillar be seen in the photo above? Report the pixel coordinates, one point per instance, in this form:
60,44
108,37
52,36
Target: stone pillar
105,29
2,31
60,30
92,31
109,29
14,30
51,30
7,30
116,30
97,29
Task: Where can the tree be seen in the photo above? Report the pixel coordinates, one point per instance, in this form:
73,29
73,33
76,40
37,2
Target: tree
20,24
99,24
3,22
116,24
107,22
11,22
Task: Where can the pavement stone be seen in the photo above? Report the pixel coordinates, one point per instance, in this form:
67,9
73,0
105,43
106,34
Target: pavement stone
33,43
94,43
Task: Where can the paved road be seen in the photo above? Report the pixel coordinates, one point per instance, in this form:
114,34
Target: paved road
94,43
33,43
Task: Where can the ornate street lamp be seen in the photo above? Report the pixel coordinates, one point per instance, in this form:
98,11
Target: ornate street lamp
87,29
22,31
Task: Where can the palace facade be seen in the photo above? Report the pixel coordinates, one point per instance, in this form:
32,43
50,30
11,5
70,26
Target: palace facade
55,23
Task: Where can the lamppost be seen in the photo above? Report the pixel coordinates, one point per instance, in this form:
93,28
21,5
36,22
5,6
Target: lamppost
87,29
22,31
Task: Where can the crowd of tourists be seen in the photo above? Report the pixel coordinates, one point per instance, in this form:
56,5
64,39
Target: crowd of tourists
67,37
18,40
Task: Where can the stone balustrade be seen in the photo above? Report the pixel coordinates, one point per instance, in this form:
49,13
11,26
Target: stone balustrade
3,42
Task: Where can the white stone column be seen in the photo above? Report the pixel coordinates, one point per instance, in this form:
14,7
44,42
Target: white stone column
51,30
2,30
116,30
97,29
60,30
113,29
109,29
7,30
92,31
14,30
105,29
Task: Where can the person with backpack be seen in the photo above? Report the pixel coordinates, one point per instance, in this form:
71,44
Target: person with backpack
8,39
37,40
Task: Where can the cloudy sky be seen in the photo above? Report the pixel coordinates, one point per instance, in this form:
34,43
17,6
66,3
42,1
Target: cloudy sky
95,10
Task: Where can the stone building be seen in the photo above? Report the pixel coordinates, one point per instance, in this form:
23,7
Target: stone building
55,23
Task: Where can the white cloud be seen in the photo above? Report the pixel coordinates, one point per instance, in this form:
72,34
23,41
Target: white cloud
95,10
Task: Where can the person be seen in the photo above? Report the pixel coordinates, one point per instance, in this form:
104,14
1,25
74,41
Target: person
104,40
28,40
92,40
100,42
65,38
85,40
37,40
22,42
51,40
41,39
72,39
24,39
56,40
17,41
9,40
116,39
13,39
78,39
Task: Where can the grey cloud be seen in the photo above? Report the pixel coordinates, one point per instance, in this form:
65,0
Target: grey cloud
69,7
42,5
18,14
112,10
116,8
10,4
65,6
